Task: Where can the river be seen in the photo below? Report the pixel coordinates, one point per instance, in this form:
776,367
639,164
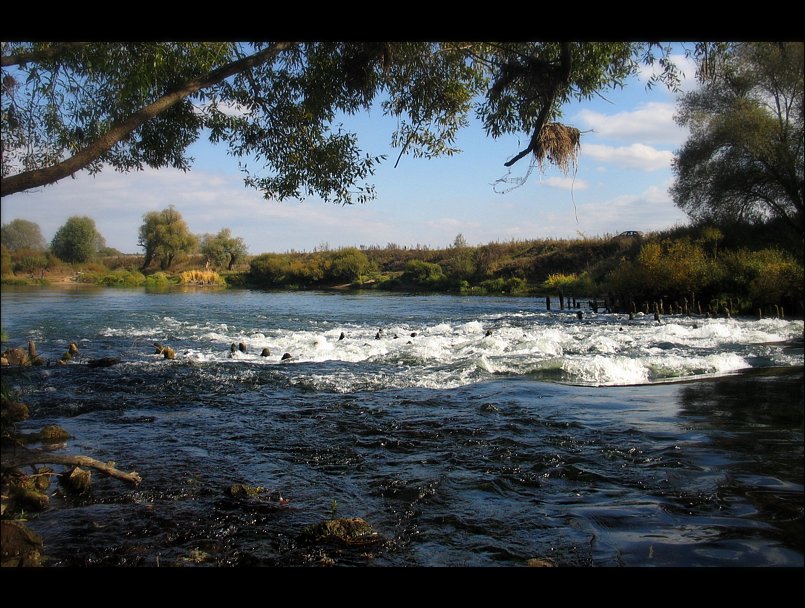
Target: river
468,431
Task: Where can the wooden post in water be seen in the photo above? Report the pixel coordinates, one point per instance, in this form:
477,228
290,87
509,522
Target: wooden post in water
759,314
782,313
685,306
561,300
548,302
776,311
699,304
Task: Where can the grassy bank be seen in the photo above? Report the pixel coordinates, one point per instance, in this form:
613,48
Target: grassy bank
696,269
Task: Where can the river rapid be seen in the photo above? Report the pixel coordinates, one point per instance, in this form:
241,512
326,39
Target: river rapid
468,431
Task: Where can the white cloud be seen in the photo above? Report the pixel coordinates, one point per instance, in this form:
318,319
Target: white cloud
208,202
565,183
652,209
649,123
634,156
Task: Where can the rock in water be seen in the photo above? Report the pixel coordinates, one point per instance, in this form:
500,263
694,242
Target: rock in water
53,433
16,356
169,353
539,562
342,336
347,530
287,356
77,480
265,353
20,546
241,347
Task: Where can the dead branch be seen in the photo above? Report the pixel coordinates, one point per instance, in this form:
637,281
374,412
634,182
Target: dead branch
31,458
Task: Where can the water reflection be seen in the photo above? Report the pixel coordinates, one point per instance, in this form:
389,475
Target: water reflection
755,422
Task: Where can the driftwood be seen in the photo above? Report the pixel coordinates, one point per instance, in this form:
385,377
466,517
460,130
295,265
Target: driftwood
31,458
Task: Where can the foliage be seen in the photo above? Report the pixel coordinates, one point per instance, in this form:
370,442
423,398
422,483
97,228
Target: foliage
281,105
5,261
121,278
223,250
573,283
200,277
423,275
165,236
349,264
77,241
22,234
744,158
158,282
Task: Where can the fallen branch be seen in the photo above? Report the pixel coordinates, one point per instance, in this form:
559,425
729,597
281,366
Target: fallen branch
31,458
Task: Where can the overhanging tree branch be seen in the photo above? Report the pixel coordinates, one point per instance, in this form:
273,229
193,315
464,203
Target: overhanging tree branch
560,81
48,53
41,177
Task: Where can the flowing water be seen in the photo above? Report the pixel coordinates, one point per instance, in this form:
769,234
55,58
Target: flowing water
465,430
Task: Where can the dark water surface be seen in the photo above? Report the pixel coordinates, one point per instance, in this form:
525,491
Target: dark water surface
460,448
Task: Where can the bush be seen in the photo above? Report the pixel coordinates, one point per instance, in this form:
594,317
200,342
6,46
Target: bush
201,277
158,281
122,278
421,274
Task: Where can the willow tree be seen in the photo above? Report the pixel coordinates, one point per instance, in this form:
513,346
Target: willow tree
744,158
165,236
278,106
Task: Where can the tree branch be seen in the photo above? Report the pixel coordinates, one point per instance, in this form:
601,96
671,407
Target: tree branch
41,177
561,81
31,458
48,53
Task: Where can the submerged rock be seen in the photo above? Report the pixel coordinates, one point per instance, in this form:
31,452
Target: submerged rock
103,362
241,489
346,530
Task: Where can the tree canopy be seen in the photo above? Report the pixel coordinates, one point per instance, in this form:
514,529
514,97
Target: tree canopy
744,157
223,250
78,240
22,234
68,107
165,236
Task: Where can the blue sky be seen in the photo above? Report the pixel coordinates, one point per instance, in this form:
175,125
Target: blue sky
622,180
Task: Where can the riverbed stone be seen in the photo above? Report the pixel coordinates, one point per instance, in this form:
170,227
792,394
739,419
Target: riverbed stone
20,546
345,530
540,562
53,433
76,480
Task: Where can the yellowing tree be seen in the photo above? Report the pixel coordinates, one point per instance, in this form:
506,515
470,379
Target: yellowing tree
165,236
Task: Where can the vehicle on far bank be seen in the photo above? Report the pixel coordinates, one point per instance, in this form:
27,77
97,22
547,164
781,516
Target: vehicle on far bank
628,234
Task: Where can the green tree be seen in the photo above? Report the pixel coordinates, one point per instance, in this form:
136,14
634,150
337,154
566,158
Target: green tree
68,107
223,250
78,240
744,157
349,264
165,236
22,234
